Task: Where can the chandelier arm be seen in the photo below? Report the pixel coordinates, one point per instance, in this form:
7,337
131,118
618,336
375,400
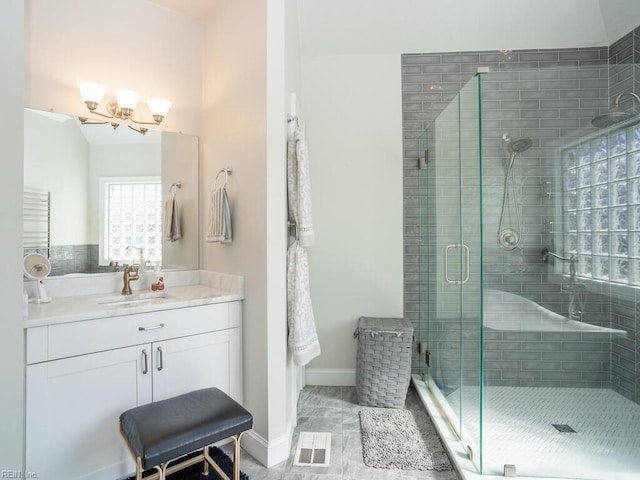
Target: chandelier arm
86,121
96,112
142,131
143,123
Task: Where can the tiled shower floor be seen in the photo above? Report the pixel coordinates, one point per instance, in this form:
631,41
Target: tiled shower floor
518,429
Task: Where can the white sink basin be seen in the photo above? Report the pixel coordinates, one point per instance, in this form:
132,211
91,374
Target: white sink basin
133,299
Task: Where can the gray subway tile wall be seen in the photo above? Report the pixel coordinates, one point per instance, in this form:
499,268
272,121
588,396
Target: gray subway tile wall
546,95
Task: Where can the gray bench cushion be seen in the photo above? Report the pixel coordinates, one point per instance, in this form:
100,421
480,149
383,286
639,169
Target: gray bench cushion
167,429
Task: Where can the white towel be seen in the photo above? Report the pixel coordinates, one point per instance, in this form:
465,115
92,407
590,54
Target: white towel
303,339
172,228
219,229
299,186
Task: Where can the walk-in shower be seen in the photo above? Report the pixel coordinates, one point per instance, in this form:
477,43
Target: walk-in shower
530,343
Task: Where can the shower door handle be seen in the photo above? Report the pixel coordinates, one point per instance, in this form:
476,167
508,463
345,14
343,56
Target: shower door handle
465,279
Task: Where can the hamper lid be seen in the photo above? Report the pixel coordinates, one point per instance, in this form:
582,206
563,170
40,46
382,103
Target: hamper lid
397,326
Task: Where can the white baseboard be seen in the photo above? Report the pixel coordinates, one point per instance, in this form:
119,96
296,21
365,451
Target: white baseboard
342,377
267,453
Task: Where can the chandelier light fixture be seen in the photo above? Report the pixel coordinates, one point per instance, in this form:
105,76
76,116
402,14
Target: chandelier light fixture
123,108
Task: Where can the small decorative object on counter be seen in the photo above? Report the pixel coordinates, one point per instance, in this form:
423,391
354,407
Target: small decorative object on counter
159,278
159,285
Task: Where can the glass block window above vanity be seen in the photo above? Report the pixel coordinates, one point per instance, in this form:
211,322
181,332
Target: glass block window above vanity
131,215
601,205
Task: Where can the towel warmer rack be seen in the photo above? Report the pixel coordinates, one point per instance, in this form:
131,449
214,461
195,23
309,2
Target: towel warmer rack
37,221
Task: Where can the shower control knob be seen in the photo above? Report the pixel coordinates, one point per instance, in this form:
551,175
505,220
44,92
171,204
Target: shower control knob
509,239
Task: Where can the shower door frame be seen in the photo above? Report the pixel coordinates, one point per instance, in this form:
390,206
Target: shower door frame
453,229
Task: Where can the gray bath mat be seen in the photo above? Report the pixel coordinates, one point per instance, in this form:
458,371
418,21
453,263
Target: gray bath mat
392,439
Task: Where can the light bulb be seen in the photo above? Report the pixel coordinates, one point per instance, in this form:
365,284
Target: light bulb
91,93
159,106
127,99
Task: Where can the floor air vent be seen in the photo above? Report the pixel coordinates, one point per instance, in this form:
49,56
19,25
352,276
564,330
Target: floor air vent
313,450
563,428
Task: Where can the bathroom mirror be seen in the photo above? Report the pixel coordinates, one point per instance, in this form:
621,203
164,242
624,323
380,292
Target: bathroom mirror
74,174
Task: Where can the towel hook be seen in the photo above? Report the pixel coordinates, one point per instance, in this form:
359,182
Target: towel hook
227,171
177,184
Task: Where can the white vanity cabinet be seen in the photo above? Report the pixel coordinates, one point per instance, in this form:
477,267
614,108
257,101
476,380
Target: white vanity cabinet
82,375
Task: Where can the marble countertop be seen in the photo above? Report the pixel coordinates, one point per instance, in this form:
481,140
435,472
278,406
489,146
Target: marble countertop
211,288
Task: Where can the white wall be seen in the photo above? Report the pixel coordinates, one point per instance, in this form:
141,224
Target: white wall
122,44
333,27
242,99
352,107
178,154
11,151
56,159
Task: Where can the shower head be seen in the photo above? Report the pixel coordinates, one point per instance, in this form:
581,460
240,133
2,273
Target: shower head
519,145
615,114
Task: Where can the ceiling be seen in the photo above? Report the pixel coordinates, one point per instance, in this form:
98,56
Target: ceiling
330,27
335,27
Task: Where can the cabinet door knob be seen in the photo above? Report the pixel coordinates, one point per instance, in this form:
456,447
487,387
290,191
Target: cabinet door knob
145,362
152,327
160,360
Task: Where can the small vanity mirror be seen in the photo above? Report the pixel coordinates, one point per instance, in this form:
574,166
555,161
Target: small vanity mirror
96,197
36,267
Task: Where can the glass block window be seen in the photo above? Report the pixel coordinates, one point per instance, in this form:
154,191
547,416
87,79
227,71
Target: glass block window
601,205
131,215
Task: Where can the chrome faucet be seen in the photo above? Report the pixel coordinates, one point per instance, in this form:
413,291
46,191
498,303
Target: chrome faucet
130,274
572,262
576,290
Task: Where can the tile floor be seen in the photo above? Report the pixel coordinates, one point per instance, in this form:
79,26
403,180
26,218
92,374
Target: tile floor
335,410
518,429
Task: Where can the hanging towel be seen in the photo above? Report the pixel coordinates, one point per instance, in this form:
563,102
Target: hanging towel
219,217
172,228
303,339
299,186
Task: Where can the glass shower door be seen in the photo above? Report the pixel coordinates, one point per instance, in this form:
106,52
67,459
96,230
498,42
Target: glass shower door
451,293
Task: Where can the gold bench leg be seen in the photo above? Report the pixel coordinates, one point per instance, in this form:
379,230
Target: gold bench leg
139,470
164,469
236,460
206,463
236,456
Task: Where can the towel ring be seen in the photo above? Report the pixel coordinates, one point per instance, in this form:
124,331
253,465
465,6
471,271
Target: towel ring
227,171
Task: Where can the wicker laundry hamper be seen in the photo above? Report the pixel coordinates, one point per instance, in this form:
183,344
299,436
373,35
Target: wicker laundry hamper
383,363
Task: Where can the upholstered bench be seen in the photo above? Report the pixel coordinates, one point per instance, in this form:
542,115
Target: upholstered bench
160,432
